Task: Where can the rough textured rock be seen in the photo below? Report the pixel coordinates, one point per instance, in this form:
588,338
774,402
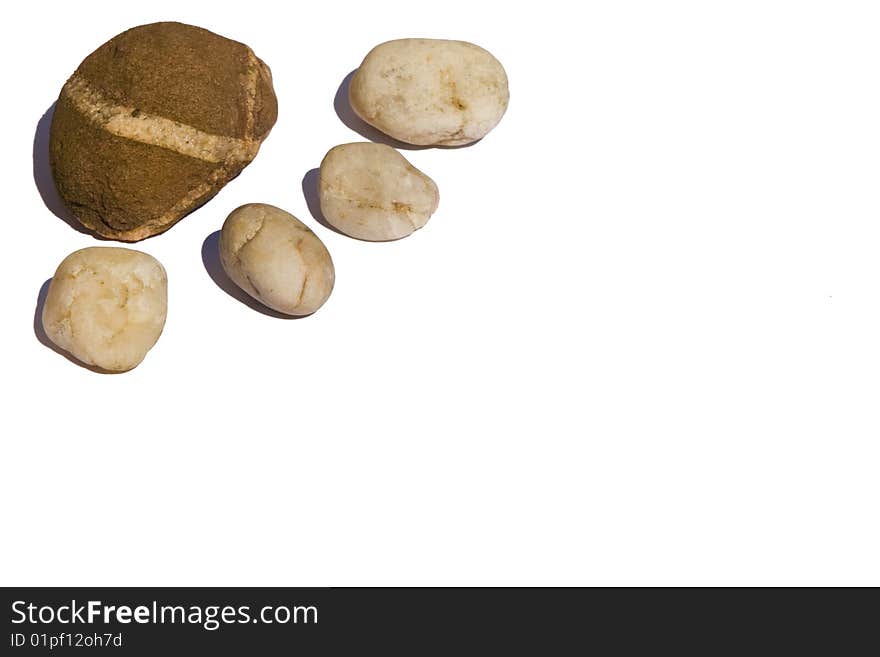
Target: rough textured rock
430,91
107,306
276,259
154,123
370,191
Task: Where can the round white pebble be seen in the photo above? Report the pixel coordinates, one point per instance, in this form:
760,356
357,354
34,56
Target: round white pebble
107,306
276,259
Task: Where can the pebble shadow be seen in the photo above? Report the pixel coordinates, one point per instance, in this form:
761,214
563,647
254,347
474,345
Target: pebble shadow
313,200
211,262
43,176
46,342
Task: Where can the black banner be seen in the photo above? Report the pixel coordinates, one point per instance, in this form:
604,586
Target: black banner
151,621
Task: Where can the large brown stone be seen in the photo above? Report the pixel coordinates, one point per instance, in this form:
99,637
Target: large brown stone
154,123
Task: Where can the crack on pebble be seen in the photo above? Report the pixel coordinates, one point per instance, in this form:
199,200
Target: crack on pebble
252,284
302,289
250,238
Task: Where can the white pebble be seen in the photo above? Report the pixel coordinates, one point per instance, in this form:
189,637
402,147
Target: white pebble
276,259
107,306
430,91
370,191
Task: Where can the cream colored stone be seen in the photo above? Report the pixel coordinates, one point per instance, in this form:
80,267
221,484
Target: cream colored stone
275,258
430,91
107,306
370,191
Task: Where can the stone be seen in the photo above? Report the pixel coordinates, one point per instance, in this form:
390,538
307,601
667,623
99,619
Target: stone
153,124
430,92
106,306
276,259
370,191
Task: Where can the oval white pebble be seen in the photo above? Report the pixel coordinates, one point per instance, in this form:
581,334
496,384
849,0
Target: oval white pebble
430,91
370,191
276,259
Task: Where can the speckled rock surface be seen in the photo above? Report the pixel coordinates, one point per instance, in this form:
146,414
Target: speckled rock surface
154,123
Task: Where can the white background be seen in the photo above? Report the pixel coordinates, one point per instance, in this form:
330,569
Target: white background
639,342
